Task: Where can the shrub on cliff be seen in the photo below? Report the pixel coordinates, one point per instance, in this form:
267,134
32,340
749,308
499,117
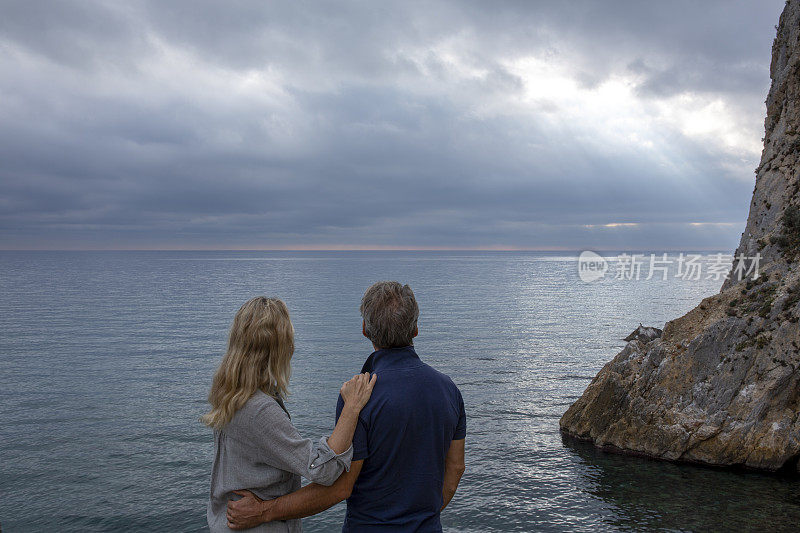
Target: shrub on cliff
789,239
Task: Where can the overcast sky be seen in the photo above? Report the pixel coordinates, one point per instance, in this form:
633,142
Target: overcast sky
201,124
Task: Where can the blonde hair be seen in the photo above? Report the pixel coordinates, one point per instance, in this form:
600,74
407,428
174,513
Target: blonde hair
260,349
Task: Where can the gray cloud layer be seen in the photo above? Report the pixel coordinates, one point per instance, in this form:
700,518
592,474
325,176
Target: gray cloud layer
202,124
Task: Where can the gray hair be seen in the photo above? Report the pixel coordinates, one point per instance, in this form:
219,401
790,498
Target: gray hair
390,314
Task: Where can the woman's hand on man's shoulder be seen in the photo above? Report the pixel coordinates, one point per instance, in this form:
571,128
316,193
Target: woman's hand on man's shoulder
357,391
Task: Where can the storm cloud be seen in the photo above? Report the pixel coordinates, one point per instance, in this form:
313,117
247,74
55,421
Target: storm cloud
251,124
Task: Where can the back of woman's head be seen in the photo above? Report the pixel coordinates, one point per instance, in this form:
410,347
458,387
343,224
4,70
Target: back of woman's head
259,352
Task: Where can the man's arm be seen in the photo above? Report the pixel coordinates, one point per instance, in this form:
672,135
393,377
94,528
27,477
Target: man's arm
251,511
453,470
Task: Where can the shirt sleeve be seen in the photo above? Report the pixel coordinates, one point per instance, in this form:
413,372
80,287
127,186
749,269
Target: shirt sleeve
360,444
461,426
281,446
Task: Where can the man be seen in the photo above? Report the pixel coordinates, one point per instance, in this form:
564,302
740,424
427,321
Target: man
408,448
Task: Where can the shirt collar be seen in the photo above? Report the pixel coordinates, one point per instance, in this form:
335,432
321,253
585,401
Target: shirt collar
390,357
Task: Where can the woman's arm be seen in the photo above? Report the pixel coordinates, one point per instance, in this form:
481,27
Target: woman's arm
355,393
280,445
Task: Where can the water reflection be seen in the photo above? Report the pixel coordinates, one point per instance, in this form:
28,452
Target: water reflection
656,495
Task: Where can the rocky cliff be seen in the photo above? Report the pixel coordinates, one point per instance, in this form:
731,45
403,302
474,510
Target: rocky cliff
721,385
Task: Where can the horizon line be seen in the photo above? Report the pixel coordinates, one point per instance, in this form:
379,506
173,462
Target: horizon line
347,248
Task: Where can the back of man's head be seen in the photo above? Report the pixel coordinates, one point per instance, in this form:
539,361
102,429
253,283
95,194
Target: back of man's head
390,314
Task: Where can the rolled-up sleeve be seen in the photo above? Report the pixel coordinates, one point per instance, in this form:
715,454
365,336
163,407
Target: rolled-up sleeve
280,445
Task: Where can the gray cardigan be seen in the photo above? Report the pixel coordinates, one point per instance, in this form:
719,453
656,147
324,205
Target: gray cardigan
261,451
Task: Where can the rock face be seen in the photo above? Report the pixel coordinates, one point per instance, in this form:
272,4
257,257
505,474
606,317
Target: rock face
721,385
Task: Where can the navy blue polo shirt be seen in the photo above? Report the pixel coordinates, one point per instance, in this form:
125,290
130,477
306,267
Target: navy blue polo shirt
403,434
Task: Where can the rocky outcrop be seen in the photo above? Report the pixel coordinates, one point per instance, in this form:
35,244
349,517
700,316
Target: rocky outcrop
721,385
644,334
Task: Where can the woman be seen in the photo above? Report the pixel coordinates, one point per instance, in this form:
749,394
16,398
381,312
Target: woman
256,447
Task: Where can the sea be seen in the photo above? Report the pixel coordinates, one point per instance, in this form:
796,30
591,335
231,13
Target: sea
106,359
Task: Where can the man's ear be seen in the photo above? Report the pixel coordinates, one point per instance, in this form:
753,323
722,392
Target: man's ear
364,328
416,331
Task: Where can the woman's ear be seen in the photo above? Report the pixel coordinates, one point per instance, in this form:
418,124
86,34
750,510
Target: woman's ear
364,328
416,331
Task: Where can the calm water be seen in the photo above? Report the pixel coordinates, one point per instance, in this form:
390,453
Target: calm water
106,358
